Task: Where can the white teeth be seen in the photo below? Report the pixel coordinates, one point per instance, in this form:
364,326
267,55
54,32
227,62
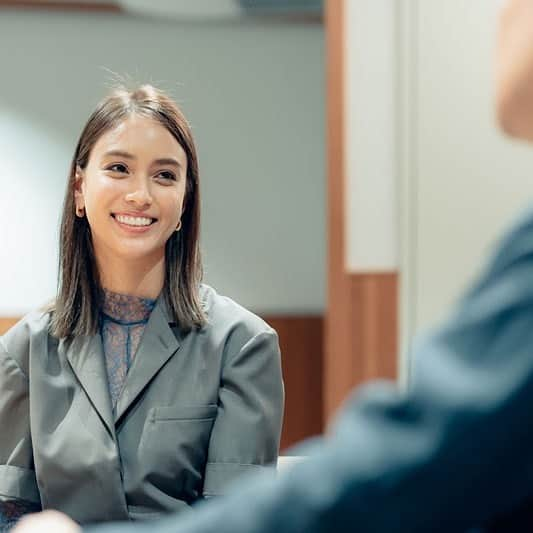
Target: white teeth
134,221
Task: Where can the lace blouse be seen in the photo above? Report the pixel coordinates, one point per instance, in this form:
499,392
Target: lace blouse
123,320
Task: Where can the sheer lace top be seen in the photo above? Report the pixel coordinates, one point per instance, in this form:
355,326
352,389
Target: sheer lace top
123,319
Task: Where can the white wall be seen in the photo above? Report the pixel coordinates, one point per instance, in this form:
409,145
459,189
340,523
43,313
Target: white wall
466,181
422,137
254,93
371,114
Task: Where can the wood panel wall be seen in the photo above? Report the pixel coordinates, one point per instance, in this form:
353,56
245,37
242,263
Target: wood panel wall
6,323
301,343
361,315
374,339
338,378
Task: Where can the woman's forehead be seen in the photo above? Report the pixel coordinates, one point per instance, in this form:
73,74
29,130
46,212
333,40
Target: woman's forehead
140,136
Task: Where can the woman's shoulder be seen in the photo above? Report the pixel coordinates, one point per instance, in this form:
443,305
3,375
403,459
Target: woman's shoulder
224,313
17,340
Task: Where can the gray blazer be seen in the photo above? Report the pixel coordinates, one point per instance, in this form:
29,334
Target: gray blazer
197,410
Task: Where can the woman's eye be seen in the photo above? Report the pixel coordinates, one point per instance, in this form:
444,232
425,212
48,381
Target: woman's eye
166,175
118,167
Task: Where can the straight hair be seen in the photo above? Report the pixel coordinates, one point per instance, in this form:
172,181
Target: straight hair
76,309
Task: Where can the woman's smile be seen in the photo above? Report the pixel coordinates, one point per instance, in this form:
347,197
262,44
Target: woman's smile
134,223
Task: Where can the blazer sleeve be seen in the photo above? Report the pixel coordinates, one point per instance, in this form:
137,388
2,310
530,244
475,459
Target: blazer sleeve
247,429
17,476
452,453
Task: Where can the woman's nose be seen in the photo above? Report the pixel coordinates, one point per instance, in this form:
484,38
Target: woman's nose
139,194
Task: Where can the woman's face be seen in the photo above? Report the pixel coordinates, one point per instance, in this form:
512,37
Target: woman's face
132,191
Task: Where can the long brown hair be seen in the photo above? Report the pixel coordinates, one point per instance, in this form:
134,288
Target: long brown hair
76,308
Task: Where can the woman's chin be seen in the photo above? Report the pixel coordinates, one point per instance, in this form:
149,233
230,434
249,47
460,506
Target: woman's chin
139,254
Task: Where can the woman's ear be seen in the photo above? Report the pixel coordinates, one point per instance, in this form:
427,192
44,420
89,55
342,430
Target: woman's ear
78,189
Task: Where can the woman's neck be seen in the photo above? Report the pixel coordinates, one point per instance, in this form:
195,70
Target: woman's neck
137,278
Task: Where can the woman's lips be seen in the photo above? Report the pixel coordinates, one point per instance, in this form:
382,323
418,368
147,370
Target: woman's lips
134,223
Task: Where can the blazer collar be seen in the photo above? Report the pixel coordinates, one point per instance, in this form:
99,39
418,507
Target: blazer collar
157,346
86,357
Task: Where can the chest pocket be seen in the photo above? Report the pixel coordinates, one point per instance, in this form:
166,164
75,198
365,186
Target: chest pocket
173,448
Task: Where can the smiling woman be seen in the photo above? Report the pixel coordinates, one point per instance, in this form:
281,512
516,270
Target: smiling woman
139,390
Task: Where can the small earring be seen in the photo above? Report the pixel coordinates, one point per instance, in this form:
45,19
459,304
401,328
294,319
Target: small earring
178,227
80,212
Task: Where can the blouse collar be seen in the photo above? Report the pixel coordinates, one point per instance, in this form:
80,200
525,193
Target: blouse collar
125,308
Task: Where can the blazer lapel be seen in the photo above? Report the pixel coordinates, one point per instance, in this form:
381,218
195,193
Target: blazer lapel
86,357
157,346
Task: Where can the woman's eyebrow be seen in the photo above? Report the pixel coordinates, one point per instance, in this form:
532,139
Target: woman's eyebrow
167,161
119,153
156,162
